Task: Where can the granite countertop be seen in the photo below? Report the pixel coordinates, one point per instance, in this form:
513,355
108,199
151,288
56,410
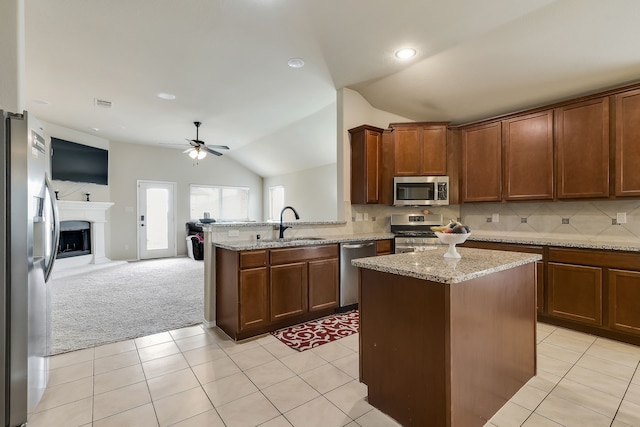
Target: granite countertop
431,264
244,245
560,240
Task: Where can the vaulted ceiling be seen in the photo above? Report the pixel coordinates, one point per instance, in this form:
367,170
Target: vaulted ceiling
226,63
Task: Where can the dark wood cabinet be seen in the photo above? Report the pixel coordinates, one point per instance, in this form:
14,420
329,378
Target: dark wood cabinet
624,301
528,157
324,291
366,174
259,291
627,143
253,297
419,148
482,163
288,290
582,149
575,292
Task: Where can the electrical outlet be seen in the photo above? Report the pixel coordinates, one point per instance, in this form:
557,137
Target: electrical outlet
621,217
495,218
234,233
614,221
523,220
488,219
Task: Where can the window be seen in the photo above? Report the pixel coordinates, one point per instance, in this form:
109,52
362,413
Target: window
223,203
276,202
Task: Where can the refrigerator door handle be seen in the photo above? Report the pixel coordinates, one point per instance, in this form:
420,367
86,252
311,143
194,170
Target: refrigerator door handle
55,230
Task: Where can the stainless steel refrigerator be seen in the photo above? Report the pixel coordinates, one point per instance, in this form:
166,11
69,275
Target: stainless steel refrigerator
29,227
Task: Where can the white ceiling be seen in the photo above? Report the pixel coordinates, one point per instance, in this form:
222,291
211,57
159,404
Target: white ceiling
226,62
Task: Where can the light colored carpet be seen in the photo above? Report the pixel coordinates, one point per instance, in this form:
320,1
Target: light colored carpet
126,301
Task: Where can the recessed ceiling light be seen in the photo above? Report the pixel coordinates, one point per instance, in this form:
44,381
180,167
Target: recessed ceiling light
295,63
40,101
95,129
167,96
405,53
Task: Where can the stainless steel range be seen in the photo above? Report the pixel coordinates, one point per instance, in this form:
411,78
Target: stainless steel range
413,231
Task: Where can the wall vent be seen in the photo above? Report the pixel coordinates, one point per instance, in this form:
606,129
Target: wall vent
101,103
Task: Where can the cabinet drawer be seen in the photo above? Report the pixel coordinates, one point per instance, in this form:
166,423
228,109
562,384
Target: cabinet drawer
289,255
253,259
611,259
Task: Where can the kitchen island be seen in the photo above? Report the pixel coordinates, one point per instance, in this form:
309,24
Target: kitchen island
446,343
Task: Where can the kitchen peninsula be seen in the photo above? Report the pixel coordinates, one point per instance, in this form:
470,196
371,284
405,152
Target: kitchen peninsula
443,342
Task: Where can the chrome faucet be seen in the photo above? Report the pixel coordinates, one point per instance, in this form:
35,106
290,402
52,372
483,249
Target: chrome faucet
283,227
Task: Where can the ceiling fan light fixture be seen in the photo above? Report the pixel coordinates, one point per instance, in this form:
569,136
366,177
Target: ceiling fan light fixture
405,53
201,154
193,154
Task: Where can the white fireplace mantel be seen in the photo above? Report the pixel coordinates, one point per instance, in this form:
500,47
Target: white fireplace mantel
96,214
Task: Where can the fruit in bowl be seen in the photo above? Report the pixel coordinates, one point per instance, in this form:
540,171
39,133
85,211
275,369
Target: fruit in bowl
454,227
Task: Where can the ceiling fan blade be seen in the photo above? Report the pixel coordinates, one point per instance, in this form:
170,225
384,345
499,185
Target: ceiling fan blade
214,152
220,147
188,150
194,142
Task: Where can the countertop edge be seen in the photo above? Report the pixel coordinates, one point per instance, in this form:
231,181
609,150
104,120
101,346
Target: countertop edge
244,245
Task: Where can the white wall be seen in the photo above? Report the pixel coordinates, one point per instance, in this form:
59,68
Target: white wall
132,162
12,52
312,192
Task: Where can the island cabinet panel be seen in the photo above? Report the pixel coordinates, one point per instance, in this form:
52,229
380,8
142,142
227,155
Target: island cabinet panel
482,163
435,354
253,297
624,301
324,291
575,292
582,144
627,143
528,157
288,290
366,162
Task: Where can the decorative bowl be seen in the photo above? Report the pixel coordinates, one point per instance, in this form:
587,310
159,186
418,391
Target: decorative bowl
452,239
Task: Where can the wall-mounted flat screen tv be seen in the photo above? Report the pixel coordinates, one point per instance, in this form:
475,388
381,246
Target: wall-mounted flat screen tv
78,163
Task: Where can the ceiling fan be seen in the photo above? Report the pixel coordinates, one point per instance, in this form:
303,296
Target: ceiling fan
199,149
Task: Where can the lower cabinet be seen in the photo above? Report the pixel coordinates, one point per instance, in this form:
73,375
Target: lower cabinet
624,301
260,291
575,292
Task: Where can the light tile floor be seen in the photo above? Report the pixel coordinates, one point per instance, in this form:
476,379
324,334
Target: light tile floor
198,377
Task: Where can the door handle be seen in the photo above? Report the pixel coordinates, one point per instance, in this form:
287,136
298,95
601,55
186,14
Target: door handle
55,229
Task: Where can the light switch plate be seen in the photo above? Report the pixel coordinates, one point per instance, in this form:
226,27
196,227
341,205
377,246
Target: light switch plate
621,217
358,216
495,218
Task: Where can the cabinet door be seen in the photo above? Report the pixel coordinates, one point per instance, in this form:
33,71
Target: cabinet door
528,157
253,298
624,301
434,150
540,286
408,153
288,286
575,292
626,141
582,144
482,163
323,284
366,147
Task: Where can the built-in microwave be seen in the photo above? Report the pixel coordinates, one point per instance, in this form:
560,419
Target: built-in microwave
420,190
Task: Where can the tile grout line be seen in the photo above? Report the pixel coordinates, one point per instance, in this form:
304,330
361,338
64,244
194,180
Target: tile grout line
625,391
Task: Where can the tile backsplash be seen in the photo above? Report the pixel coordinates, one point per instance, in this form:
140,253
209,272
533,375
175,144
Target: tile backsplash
594,220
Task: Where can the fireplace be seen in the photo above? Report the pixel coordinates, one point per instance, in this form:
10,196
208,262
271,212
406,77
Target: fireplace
75,239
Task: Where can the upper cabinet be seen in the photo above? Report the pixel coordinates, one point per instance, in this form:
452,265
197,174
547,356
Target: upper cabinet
582,144
419,148
366,164
482,163
627,143
528,157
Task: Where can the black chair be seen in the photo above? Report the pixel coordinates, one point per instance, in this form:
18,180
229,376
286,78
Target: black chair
194,229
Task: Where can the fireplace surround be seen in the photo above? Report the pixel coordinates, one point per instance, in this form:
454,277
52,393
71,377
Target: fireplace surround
71,214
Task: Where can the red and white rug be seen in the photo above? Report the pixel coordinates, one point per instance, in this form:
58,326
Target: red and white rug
320,331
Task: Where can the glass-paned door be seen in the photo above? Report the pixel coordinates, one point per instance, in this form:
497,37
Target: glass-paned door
156,220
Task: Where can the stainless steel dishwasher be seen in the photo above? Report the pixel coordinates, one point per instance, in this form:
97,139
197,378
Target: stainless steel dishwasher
349,273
